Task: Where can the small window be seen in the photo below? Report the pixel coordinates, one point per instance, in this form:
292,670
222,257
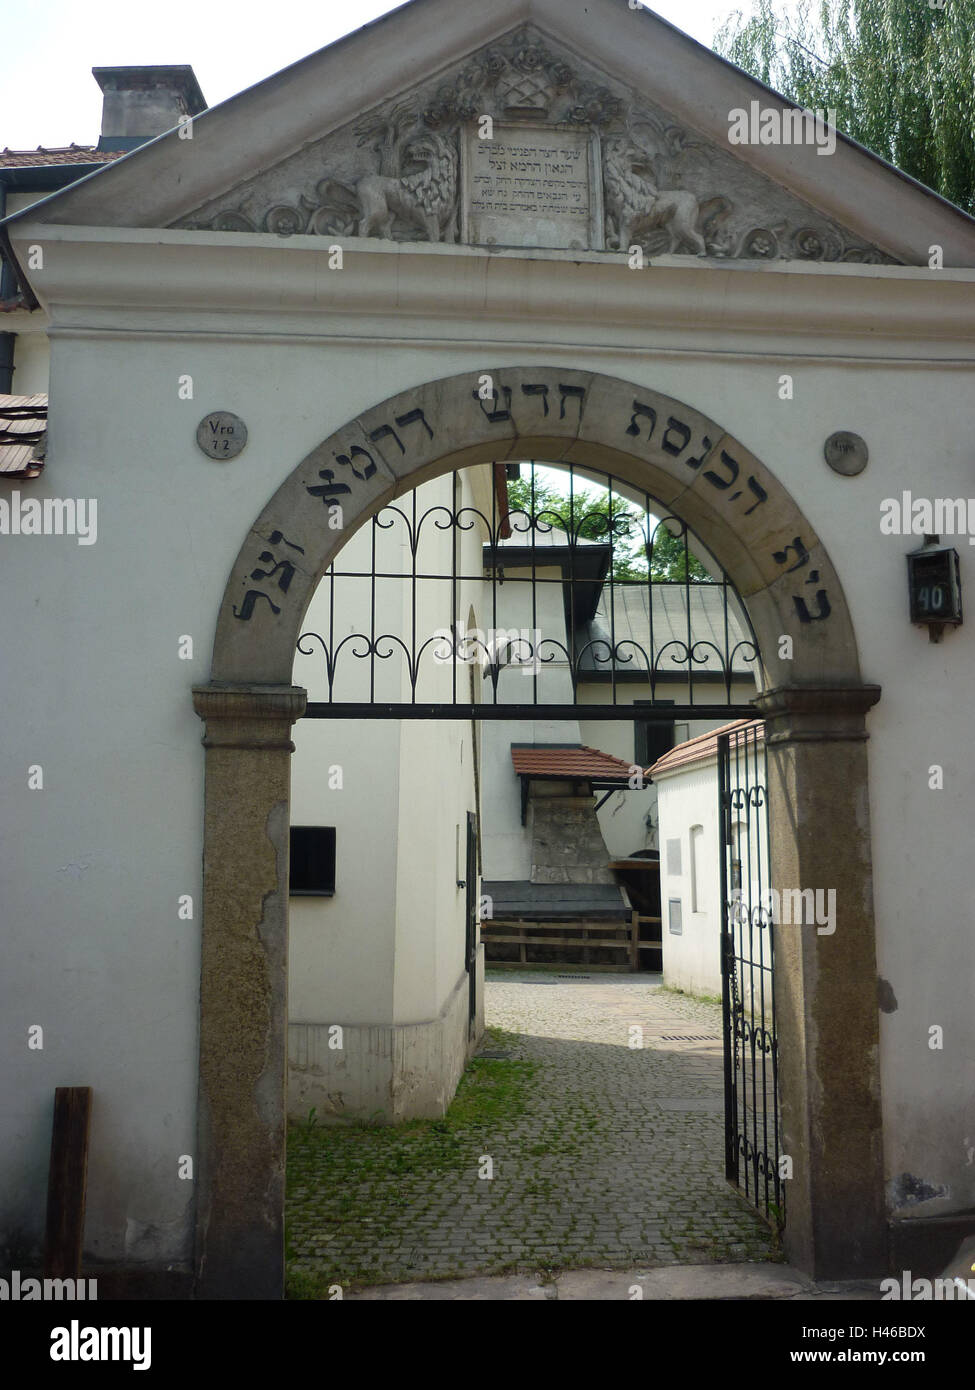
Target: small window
673,858
651,740
697,869
312,861
674,917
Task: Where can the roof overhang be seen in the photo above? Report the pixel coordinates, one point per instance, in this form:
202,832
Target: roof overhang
169,177
584,568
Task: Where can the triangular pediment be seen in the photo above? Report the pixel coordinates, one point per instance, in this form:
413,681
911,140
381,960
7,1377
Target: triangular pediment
522,143
548,124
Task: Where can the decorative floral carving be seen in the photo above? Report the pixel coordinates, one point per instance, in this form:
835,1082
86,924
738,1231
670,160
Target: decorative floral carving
760,244
233,222
664,188
530,59
596,106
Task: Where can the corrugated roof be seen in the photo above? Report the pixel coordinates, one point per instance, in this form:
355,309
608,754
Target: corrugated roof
23,435
628,606
554,901
704,746
568,761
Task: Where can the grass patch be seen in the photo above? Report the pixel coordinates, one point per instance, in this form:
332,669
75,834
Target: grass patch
688,994
344,1179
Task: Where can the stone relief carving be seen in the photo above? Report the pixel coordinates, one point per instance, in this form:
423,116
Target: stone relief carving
397,174
635,207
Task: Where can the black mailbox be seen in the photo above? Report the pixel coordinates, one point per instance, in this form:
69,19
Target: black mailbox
935,585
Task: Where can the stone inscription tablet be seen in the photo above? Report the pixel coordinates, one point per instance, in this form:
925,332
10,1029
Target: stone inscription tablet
531,185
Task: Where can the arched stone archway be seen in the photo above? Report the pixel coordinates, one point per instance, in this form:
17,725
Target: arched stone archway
814,703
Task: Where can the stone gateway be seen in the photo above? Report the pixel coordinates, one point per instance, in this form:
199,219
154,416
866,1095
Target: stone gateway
405,255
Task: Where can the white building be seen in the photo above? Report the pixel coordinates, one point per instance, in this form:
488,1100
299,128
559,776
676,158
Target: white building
145,872
692,891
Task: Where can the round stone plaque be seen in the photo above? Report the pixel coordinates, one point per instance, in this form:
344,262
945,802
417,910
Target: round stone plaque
221,435
846,453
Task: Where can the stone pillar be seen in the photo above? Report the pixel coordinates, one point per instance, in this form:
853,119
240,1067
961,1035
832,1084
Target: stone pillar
826,985
244,989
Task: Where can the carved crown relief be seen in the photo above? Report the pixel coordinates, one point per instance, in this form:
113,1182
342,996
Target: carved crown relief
575,160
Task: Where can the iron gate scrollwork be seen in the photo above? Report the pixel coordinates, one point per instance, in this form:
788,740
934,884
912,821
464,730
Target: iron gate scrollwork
748,985
634,605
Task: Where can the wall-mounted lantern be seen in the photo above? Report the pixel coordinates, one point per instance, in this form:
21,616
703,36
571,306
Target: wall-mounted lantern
935,586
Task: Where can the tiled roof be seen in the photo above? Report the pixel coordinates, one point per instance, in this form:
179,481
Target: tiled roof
23,435
67,154
704,746
568,761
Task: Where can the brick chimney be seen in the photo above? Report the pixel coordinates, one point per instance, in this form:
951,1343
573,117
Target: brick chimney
142,102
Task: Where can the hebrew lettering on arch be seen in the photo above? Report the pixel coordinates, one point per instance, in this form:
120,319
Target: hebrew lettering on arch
381,432
732,467
804,614
759,492
696,463
346,460
647,411
277,537
577,393
286,568
330,489
802,555
414,417
537,389
495,416
683,432
249,604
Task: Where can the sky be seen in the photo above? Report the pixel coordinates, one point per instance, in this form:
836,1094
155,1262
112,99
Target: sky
49,97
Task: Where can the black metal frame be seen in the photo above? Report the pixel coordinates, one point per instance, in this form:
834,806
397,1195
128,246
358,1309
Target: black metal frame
589,561
471,918
747,975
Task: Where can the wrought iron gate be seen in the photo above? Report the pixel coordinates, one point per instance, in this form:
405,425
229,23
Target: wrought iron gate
470,950
748,989
594,586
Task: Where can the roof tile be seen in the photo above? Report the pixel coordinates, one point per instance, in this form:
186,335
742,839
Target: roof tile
23,435
68,154
559,761
704,746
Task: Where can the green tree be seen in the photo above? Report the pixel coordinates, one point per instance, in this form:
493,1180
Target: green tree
900,75
587,514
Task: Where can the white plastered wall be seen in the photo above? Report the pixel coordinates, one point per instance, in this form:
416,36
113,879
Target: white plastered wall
688,799
387,950
93,866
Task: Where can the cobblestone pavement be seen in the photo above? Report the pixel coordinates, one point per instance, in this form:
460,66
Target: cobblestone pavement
616,1158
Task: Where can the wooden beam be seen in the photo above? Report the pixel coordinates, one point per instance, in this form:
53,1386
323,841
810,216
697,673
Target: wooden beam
67,1182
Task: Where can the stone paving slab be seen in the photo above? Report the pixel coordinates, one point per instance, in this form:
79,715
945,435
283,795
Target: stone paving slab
616,1160
462,1290
676,1283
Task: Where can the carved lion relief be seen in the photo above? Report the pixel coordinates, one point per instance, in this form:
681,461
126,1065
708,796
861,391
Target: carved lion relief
397,174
